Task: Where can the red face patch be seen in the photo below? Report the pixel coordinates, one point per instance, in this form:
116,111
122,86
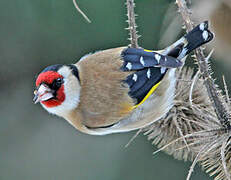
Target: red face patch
60,97
48,77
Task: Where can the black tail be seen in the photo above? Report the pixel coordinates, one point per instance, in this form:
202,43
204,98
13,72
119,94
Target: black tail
192,40
198,36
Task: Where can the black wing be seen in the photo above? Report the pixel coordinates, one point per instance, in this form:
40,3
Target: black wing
137,59
149,69
141,82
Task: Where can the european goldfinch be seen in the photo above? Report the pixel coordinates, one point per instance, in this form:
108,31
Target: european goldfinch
119,89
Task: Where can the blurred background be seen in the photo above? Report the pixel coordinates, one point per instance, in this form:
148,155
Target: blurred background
35,34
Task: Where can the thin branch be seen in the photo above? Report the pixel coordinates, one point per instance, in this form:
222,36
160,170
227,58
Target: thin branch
195,162
132,24
180,131
195,78
80,11
213,93
193,135
223,159
133,137
226,91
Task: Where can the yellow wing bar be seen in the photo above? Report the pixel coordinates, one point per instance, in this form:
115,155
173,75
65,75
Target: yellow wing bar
148,94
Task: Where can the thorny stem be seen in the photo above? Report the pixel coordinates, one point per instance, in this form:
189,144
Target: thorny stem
213,93
132,24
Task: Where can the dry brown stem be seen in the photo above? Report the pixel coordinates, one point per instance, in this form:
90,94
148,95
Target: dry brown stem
197,128
132,24
213,92
190,122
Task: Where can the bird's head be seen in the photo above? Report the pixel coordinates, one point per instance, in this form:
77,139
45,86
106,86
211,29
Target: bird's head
58,89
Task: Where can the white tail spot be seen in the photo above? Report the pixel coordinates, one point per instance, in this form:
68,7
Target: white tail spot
205,35
202,26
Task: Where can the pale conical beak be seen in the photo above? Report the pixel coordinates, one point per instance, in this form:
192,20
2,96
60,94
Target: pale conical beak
42,94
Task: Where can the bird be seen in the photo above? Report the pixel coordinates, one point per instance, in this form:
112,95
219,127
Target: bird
119,89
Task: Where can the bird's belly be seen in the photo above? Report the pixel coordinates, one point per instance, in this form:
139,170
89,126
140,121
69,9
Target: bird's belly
153,109
94,120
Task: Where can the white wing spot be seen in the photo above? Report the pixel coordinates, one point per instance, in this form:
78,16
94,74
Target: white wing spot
162,70
205,35
134,78
202,26
165,59
158,57
148,73
129,66
142,60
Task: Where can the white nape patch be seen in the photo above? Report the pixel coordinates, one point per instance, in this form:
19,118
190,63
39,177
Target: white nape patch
162,70
134,78
129,66
205,35
142,60
148,73
72,93
64,71
202,26
158,57
165,59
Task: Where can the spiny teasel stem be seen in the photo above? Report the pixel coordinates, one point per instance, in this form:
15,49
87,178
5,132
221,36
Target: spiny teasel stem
132,24
213,92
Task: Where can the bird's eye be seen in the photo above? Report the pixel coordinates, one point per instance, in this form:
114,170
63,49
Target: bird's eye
59,80
57,83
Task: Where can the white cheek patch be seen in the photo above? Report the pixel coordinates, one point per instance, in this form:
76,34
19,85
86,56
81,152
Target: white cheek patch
71,91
